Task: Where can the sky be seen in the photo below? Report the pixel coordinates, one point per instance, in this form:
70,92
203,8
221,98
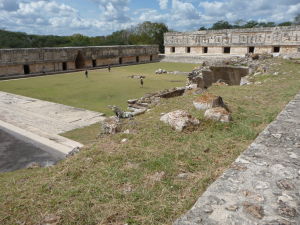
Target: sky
102,17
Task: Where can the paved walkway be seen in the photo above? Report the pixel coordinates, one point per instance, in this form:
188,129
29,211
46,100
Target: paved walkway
17,154
263,185
42,121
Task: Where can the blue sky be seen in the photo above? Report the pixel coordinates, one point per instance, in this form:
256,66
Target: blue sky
102,17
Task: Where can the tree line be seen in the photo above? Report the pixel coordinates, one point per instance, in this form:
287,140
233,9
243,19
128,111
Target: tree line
144,33
222,24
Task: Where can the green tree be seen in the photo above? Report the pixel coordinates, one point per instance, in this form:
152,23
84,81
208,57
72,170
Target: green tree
149,33
285,24
297,19
222,24
202,28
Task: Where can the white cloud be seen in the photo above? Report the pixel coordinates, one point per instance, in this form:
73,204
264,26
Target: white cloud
114,10
9,5
163,4
54,17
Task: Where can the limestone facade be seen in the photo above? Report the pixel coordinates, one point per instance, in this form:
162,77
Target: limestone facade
46,60
282,40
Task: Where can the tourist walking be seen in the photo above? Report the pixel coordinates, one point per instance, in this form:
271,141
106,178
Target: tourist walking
86,74
142,82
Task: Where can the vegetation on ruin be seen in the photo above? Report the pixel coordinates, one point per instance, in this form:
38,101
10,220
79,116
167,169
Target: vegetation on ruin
102,88
222,24
145,33
137,182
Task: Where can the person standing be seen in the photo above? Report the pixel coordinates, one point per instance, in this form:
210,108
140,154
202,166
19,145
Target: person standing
86,74
108,68
142,82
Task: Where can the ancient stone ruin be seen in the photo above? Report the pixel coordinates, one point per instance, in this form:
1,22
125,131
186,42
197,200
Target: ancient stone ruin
280,40
29,61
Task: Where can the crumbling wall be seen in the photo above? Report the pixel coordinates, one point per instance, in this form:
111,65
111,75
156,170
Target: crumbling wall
44,60
238,40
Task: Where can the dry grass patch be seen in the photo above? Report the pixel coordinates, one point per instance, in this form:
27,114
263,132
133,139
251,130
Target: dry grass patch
138,182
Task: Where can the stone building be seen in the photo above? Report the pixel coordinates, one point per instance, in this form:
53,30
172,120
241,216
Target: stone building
28,61
282,40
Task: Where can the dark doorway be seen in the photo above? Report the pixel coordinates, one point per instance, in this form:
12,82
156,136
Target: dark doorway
64,65
94,63
151,58
26,69
188,50
276,49
251,49
137,59
79,61
226,50
173,49
120,60
205,50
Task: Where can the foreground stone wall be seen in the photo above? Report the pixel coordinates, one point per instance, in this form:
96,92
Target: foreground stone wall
285,40
45,60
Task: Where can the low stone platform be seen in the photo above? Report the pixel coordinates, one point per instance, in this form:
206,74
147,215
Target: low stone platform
42,121
262,187
197,59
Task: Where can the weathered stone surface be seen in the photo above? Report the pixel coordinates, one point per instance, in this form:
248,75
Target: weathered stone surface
218,114
180,120
245,81
111,125
208,101
234,41
256,211
265,191
160,71
53,60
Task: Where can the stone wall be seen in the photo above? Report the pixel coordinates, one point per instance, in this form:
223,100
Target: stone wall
46,60
285,40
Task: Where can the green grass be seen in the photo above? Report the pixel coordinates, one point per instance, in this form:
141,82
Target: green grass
110,182
101,88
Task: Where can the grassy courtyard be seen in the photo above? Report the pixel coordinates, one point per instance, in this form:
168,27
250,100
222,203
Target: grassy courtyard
137,182
101,88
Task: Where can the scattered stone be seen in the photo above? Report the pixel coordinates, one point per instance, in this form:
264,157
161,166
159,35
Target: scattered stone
127,131
245,81
127,188
207,150
183,176
111,125
51,220
278,136
33,165
180,120
132,101
286,211
254,210
158,176
261,185
124,140
218,114
207,209
285,184
276,73
160,71
207,101
120,113
137,77
232,208
73,152
254,56
278,222
253,196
